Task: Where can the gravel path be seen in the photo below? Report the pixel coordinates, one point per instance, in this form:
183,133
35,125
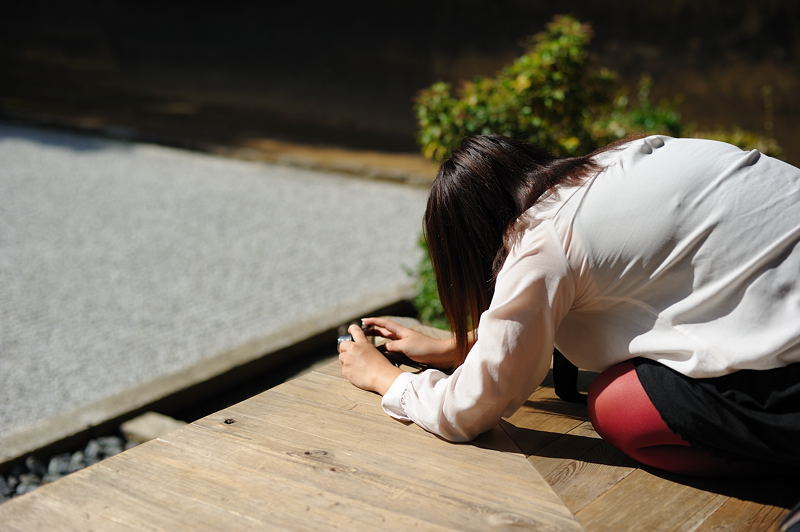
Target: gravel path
121,262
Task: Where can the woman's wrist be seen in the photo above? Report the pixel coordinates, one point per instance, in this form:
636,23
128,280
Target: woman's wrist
448,355
385,377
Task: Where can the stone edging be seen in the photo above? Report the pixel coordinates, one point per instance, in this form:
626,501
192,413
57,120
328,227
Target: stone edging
134,400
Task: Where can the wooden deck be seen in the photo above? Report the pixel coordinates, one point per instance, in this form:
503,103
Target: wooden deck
312,453
317,453
608,491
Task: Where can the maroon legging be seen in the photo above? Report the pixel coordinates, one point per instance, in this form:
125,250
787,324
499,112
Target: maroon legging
623,415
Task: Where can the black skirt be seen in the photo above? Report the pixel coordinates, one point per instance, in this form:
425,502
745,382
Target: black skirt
751,415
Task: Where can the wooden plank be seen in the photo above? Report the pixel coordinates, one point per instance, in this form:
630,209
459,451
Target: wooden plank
246,489
591,477
643,501
36,511
458,464
580,466
736,514
334,369
323,388
572,445
543,419
583,469
312,454
563,446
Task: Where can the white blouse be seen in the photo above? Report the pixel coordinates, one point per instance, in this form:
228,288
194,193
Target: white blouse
684,251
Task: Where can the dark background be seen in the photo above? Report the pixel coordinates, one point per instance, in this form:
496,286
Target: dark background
346,72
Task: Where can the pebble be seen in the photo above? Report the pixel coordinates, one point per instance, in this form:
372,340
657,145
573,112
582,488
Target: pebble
29,478
92,452
59,464
76,461
27,482
35,466
25,477
50,478
110,445
23,488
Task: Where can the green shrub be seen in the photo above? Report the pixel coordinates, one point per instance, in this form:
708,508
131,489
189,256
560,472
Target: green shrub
553,96
624,120
747,140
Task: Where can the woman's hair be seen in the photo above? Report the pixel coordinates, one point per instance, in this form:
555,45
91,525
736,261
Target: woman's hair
478,194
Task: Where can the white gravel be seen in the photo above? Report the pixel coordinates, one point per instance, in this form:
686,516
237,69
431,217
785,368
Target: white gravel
121,262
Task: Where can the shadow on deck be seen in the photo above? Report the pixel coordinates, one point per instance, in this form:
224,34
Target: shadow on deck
317,453
608,491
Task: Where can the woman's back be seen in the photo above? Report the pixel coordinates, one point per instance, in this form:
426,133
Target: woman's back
684,251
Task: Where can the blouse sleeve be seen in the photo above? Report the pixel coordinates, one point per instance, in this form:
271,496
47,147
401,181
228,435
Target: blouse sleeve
512,354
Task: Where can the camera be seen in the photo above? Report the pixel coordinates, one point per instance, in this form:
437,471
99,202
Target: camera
398,359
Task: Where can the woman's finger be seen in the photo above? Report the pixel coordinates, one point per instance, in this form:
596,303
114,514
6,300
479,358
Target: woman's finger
394,345
341,347
389,325
357,333
381,331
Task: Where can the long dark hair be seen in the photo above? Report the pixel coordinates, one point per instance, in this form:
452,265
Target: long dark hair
478,194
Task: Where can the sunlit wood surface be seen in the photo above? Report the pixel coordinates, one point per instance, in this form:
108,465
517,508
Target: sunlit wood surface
317,453
608,491
312,453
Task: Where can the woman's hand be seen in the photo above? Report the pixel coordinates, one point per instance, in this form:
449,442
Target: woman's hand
440,353
364,366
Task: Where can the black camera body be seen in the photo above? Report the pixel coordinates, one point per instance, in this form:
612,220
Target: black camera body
398,359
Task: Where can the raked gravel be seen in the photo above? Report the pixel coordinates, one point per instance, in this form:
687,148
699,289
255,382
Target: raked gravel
121,262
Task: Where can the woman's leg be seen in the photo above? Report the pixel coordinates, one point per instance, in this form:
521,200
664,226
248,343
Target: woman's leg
623,415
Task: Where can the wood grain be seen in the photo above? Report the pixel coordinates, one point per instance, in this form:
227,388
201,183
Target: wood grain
317,453
313,453
647,502
736,514
543,419
581,466
609,491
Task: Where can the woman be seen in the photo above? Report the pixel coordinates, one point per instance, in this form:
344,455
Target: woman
668,265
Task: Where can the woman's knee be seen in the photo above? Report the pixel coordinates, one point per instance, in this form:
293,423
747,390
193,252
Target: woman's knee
622,413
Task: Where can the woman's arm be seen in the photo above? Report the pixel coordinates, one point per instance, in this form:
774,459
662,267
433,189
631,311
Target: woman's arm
533,292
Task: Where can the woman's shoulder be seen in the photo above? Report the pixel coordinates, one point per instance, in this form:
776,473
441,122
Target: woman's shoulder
687,150
534,235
